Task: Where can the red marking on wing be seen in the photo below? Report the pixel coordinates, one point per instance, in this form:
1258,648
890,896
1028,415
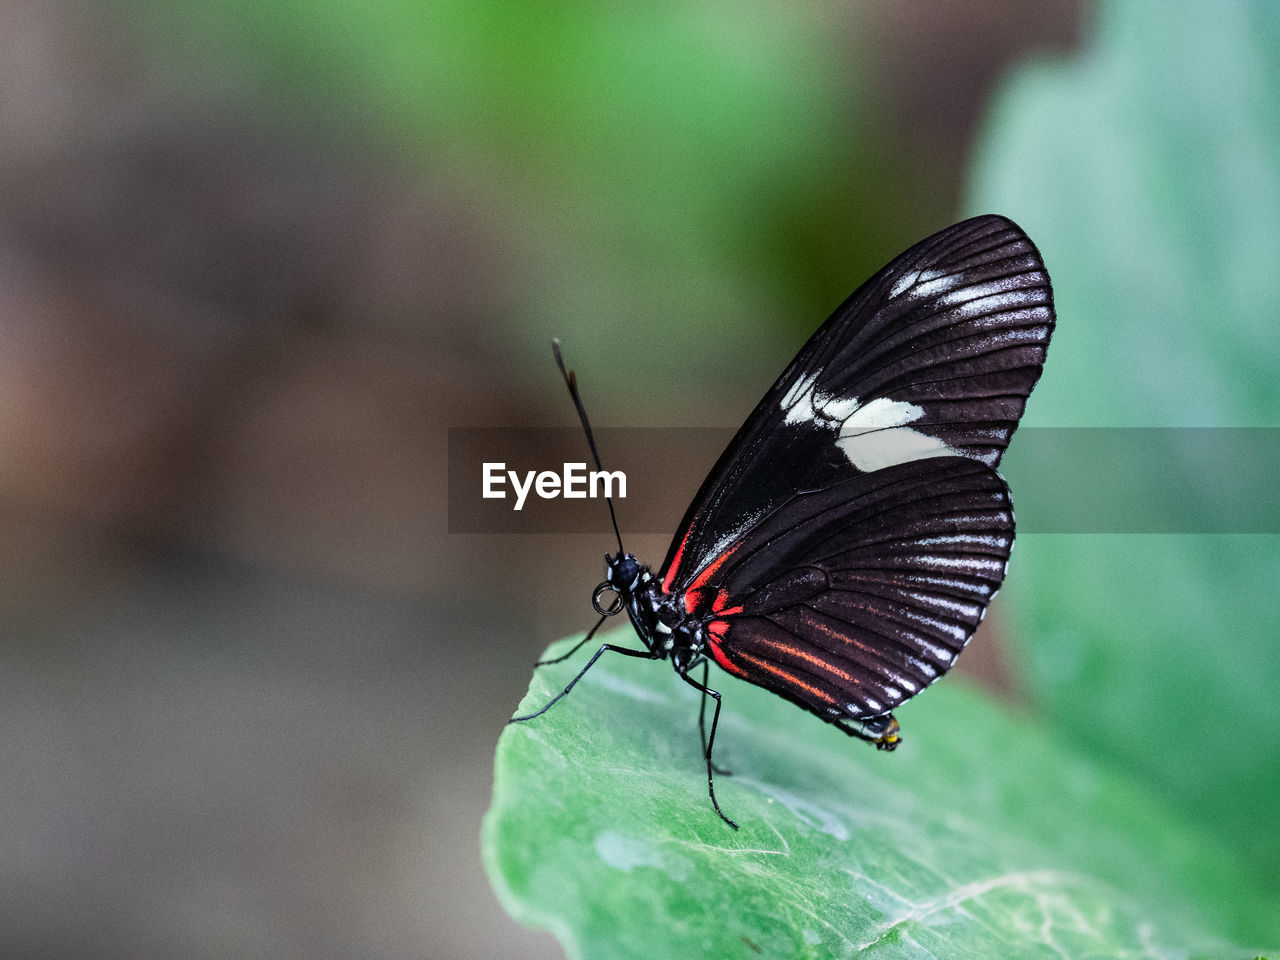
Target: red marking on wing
693,595
675,562
717,629
788,677
799,653
719,605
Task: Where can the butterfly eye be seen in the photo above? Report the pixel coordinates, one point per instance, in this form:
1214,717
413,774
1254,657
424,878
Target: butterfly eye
614,606
628,570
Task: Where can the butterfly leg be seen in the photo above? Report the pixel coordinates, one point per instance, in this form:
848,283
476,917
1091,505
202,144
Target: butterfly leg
711,742
702,719
576,647
884,731
642,654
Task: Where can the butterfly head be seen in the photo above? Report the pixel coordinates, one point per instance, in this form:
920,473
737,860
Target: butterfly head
622,575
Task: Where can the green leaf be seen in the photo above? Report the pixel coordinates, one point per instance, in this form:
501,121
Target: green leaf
1148,172
982,836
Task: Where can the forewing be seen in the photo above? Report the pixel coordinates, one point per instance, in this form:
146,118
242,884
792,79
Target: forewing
851,599
932,357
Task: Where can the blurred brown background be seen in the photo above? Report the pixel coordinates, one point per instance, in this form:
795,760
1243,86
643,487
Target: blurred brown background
250,686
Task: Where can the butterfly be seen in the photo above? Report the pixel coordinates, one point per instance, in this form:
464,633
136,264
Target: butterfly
845,546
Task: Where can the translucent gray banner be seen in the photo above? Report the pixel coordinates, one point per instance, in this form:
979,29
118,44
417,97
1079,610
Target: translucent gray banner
1064,480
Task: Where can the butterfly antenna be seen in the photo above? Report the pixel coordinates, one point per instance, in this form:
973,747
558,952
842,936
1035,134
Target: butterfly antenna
571,382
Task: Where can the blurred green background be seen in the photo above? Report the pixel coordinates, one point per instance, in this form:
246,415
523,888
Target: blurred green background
255,260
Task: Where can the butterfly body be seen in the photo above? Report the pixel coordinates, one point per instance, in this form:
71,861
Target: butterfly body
845,546
688,631
662,628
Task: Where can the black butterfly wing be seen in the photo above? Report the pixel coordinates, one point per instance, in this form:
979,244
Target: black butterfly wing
934,356
850,599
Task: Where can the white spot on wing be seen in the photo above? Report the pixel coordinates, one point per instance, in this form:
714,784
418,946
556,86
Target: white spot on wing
941,654
980,588
958,607
976,291
972,565
984,305
873,435
875,450
879,414
928,283
900,285
968,539
955,631
798,403
933,283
